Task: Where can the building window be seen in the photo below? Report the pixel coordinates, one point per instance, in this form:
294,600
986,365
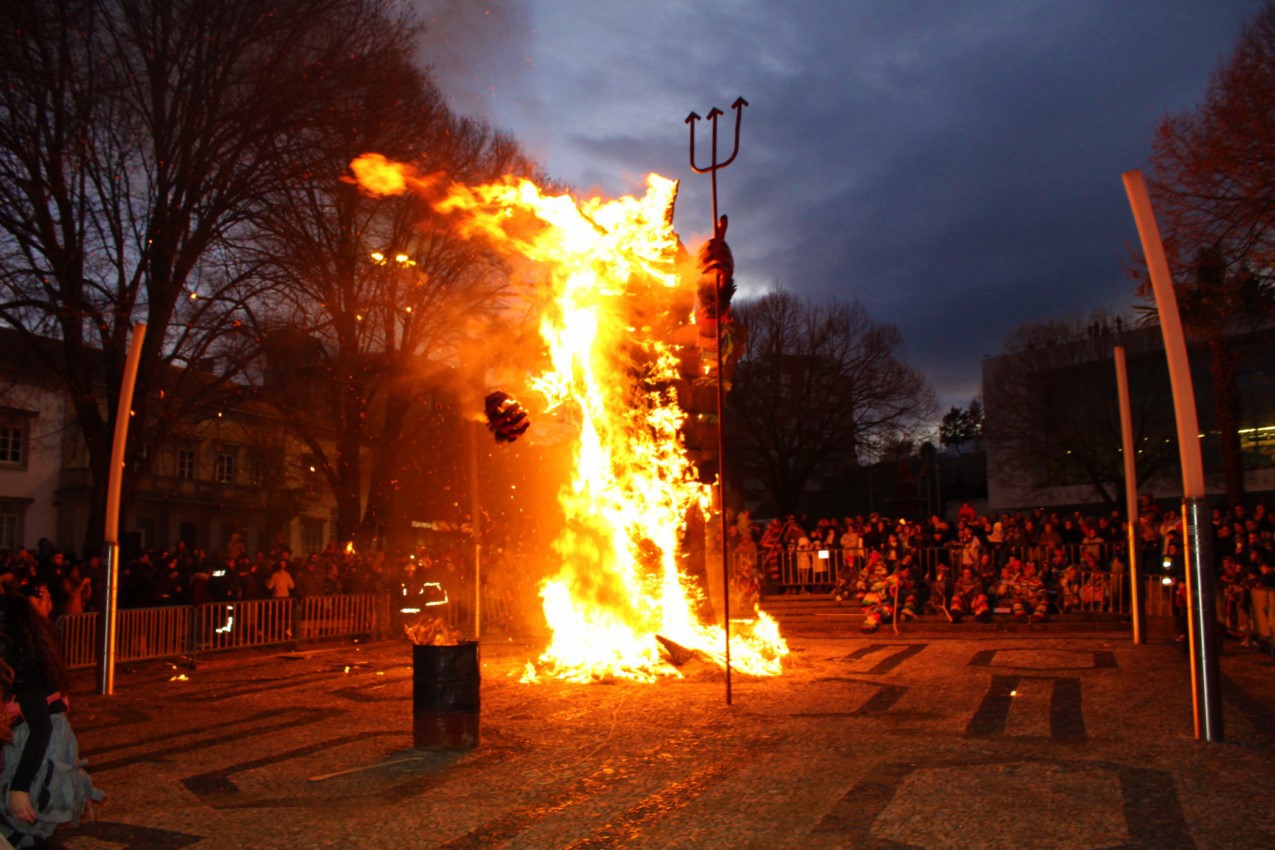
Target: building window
186,464
258,470
9,531
13,440
311,535
224,470
143,459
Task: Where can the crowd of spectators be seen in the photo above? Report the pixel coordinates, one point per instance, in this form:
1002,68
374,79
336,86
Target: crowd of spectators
1024,564
191,576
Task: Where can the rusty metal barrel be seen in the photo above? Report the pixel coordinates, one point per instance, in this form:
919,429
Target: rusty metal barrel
445,696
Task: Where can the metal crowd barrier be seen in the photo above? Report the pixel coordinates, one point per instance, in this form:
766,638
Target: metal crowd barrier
1159,599
1261,619
333,616
813,569
1249,613
1088,591
793,570
147,633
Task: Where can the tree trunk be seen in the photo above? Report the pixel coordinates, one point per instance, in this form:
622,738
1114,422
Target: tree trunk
380,498
349,466
1226,408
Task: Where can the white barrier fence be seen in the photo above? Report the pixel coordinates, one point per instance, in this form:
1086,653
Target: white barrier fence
149,633
146,633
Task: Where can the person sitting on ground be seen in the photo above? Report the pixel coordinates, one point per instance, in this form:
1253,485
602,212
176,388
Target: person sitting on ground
1003,588
969,597
1070,583
908,597
878,595
43,784
1028,599
940,590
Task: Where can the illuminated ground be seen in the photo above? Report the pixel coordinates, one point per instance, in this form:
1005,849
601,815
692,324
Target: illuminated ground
996,740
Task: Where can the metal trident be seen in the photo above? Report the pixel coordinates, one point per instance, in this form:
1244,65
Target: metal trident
714,165
719,232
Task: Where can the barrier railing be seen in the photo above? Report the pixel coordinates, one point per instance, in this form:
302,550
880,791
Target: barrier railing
811,569
801,569
235,625
333,616
1248,613
1261,616
147,633
1071,591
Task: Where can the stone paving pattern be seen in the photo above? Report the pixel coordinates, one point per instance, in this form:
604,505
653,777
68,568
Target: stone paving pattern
990,740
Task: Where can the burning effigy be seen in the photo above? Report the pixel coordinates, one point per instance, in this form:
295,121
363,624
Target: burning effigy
616,320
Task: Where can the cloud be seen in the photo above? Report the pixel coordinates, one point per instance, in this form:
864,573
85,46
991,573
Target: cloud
955,166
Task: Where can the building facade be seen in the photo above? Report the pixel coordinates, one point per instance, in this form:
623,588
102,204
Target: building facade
234,471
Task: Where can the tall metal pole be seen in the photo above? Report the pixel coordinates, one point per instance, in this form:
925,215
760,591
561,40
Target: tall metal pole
1130,497
721,466
114,483
475,525
719,232
1198,544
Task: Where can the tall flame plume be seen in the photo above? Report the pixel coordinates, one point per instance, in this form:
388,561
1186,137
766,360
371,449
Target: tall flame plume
610,298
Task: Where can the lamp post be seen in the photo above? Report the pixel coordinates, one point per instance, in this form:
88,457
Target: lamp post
1198,543
1131,494
115,481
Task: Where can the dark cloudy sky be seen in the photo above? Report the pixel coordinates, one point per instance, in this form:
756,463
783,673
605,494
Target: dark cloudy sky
953,164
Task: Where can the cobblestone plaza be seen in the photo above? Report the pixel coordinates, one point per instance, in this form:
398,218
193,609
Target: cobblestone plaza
985,739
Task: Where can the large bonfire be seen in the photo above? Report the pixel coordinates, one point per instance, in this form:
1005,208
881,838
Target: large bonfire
607,295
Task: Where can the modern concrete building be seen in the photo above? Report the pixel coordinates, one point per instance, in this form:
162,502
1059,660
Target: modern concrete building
1053,429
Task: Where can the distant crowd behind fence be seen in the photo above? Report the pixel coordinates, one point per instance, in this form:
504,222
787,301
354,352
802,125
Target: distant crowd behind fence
148,633
1097,591
168,632
803,568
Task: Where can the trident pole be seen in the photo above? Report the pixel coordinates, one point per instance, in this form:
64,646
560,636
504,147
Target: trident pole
115,481
475,508
1198,544
719,231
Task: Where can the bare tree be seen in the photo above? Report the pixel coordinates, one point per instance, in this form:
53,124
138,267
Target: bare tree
1053,415
1214,192
138,139
1214,183
819,385
381,290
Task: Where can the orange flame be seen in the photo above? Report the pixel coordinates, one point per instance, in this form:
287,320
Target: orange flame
379,176
611,300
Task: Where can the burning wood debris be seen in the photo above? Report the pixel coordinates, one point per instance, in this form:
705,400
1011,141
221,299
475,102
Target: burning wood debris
432,631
